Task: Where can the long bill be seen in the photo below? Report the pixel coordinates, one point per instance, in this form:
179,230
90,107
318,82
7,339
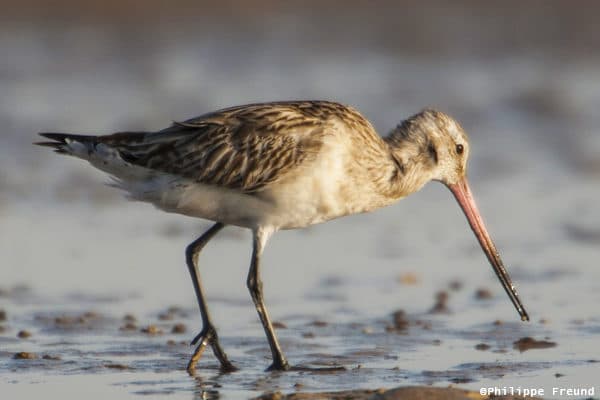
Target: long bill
463,195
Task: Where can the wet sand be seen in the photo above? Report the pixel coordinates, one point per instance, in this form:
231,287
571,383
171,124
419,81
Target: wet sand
352,356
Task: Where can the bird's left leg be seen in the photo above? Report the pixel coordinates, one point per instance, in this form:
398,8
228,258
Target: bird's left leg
255,286
208,335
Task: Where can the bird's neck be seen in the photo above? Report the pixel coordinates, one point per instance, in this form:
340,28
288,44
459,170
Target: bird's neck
412,165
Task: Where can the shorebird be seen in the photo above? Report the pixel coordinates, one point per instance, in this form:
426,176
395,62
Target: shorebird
282,165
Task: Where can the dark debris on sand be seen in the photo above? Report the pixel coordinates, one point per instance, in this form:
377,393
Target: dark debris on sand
128,326
24,355
152,330
483,294
441,303
121,367
24,334
399,322
528,343
179,328
482,346
401,393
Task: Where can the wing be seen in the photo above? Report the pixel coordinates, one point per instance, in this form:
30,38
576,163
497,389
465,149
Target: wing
245,148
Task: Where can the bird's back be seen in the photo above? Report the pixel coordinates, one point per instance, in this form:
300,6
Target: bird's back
245,147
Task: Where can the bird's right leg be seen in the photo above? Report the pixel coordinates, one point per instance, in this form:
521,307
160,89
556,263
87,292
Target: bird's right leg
208,335
255,287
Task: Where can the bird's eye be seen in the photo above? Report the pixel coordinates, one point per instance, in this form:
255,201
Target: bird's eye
460,148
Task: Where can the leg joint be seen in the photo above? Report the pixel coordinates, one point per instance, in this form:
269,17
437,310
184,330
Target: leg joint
190,251
255,286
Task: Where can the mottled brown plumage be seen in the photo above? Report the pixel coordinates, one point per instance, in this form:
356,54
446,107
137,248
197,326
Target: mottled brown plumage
282,165
244,148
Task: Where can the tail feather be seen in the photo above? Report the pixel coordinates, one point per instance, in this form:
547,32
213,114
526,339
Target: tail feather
95,149
56,146
60,141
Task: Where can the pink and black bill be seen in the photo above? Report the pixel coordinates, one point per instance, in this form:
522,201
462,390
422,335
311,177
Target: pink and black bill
463,195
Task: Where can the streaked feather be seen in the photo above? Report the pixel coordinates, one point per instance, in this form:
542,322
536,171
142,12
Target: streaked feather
245,147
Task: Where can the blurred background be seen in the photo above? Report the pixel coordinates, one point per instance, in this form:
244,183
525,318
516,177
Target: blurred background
523,78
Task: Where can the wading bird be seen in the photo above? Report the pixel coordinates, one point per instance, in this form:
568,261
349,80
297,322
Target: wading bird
281,165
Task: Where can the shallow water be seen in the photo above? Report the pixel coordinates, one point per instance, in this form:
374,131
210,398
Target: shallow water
71,246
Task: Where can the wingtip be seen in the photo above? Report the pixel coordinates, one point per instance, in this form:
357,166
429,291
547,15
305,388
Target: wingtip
58,147
58,137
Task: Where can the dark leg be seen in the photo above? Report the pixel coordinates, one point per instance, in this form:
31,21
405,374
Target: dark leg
208,335
255,287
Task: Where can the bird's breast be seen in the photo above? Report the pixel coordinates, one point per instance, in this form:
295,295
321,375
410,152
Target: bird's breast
332,186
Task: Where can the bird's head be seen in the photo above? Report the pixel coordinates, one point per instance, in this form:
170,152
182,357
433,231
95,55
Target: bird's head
451,145
441,142
439,145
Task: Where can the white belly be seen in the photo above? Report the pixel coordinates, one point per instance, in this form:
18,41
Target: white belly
297,204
